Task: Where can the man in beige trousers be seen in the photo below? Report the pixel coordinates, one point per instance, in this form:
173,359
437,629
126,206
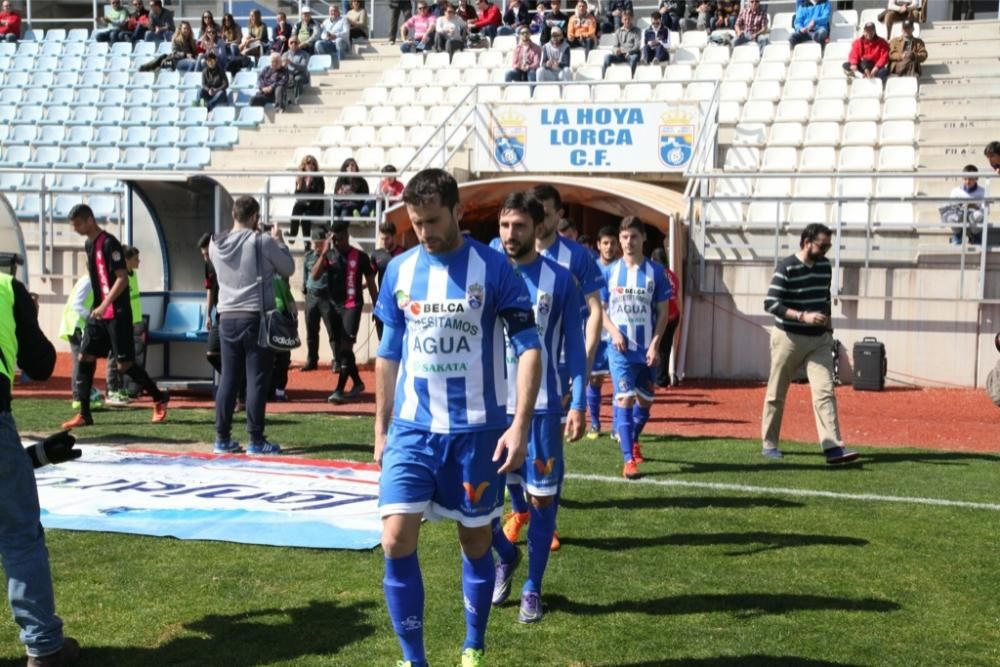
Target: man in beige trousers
799,300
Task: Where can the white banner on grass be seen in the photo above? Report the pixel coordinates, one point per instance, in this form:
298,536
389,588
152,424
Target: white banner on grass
621,137
275,501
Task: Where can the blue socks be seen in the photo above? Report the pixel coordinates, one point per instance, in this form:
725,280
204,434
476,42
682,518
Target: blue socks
518,503
626,431
478,577
594,404
404,596
540,530
506,551
640,416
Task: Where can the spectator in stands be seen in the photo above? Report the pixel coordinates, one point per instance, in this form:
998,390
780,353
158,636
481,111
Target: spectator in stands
538,20
869,55
210,42
700,17
672,12
357,17
655,41
969,212
751,24
231,35
272,84
514,17
627,46
138,22
450,32
404,7
161,23
524,59
581,30
282,33
468,12
208,23
335,34
349,185
614,16
297,62
992,153
184,51
901,10
567,230
308,31
307,185
725,15
553,18
418,32
214,83
115,20
255,40
489,20
242,279
389,187
10,23
554,64
811,22
906,52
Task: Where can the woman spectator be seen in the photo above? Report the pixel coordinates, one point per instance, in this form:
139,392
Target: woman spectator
468,12
214,83
554,64
207,23
255,40
450,32
515,16
231,34
349,185
210,42
358,18
184,51
282,33
308,185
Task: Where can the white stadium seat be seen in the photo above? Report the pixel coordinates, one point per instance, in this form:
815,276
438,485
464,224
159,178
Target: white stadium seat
740,72
861,88
832,89
900,108
745,53
687,55
894,215
837,52
677,73
757,112
898,133
897,158
818,159
822,134
902,86
903,188
856,158
792,111
750,134
668,92
786,134
827,111
768,91
733,91
813,187
865,108
776,52
739,158
807,52
634,92
801,214
765,214
799,90
779,158
860,133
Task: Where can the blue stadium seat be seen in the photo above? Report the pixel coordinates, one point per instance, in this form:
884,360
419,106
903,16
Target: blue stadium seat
8,49
111,116
166,97
135,157
194,116
121,48
23,64
120,64
44,157
107,135
54,35
52,49
70,64
46,64
29,114
164,48
320,63
93,80
164,136
143,80
222,116
42,79
137,116
120,80
62,205
75,182
87,96
79,135
22,135
245,79
196,158
11,180
139,97
224,136
103,184
167,79
77,35
5,61
167,116
113,97
103,206
182,320
4,133
50,135
194,135
16,80
28,48
104,157
191,80
10,97
188,96
144,49
15,156
95,64
56,115
34,96
61,96
241,98
250,117
7,111
136,135
97,49
164,158
73,157
28,207
79,49
67,79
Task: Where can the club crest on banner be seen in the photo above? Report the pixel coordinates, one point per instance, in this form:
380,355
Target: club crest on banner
676,139
509,136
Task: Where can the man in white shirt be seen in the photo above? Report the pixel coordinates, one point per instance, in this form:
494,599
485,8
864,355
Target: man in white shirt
335,34
969,211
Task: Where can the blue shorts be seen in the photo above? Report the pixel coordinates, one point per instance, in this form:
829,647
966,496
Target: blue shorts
630,378
601,359
442,475
542,470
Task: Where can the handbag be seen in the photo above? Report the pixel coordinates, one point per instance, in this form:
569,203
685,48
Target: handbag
278,331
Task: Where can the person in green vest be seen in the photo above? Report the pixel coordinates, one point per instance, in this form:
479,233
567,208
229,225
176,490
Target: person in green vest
284,302
121,388
22,540
74,319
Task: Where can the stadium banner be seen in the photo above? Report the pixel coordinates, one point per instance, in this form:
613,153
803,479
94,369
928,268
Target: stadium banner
626,137
284,502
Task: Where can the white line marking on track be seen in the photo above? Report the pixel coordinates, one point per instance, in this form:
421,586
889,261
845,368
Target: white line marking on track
784,491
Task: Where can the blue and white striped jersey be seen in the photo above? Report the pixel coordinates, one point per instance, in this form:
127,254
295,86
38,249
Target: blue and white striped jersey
444,317
631,298
557,304
579,261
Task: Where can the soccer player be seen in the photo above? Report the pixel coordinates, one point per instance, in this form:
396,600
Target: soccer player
109,328
439,380
557,304
581,264
609,251
636,299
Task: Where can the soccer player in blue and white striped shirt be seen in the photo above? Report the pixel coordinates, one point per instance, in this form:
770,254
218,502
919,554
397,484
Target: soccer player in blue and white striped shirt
558,306
635,301
439,372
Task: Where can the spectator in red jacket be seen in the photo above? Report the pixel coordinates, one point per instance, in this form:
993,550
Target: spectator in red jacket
10,23
869,55
489,20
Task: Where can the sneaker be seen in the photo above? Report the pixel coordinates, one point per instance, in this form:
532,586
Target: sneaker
772,453
280,396
531,608
473,657
263,448
66,655
75,405
228,447
556,544
505,575
96,399
637,453
837,455
78,421
355,391
631,470
336,397
118,399
160,410
594,433
513,524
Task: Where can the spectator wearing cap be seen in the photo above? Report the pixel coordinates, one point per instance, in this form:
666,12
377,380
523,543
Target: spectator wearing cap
524,59
655,41
581,29
900,10
811,22
627,46
308,31
418,31
992,153
869,55
554,65
335,35
489,21
906,52
10,23
751,24
971,212
515,16
450,32
214,83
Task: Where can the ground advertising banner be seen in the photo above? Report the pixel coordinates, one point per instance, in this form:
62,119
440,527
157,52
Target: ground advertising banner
195,496
640,137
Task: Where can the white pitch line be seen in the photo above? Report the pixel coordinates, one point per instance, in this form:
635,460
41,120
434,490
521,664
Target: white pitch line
784,491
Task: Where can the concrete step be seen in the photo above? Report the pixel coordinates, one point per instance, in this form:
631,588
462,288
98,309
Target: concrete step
959,50
961,88
955,132
950,158
960,31
970,68
965,108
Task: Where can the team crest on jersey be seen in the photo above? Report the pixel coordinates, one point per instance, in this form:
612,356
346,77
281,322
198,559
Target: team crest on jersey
353,263
402,299
510,137
475,296
650,285
116,256
623,385
544,303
